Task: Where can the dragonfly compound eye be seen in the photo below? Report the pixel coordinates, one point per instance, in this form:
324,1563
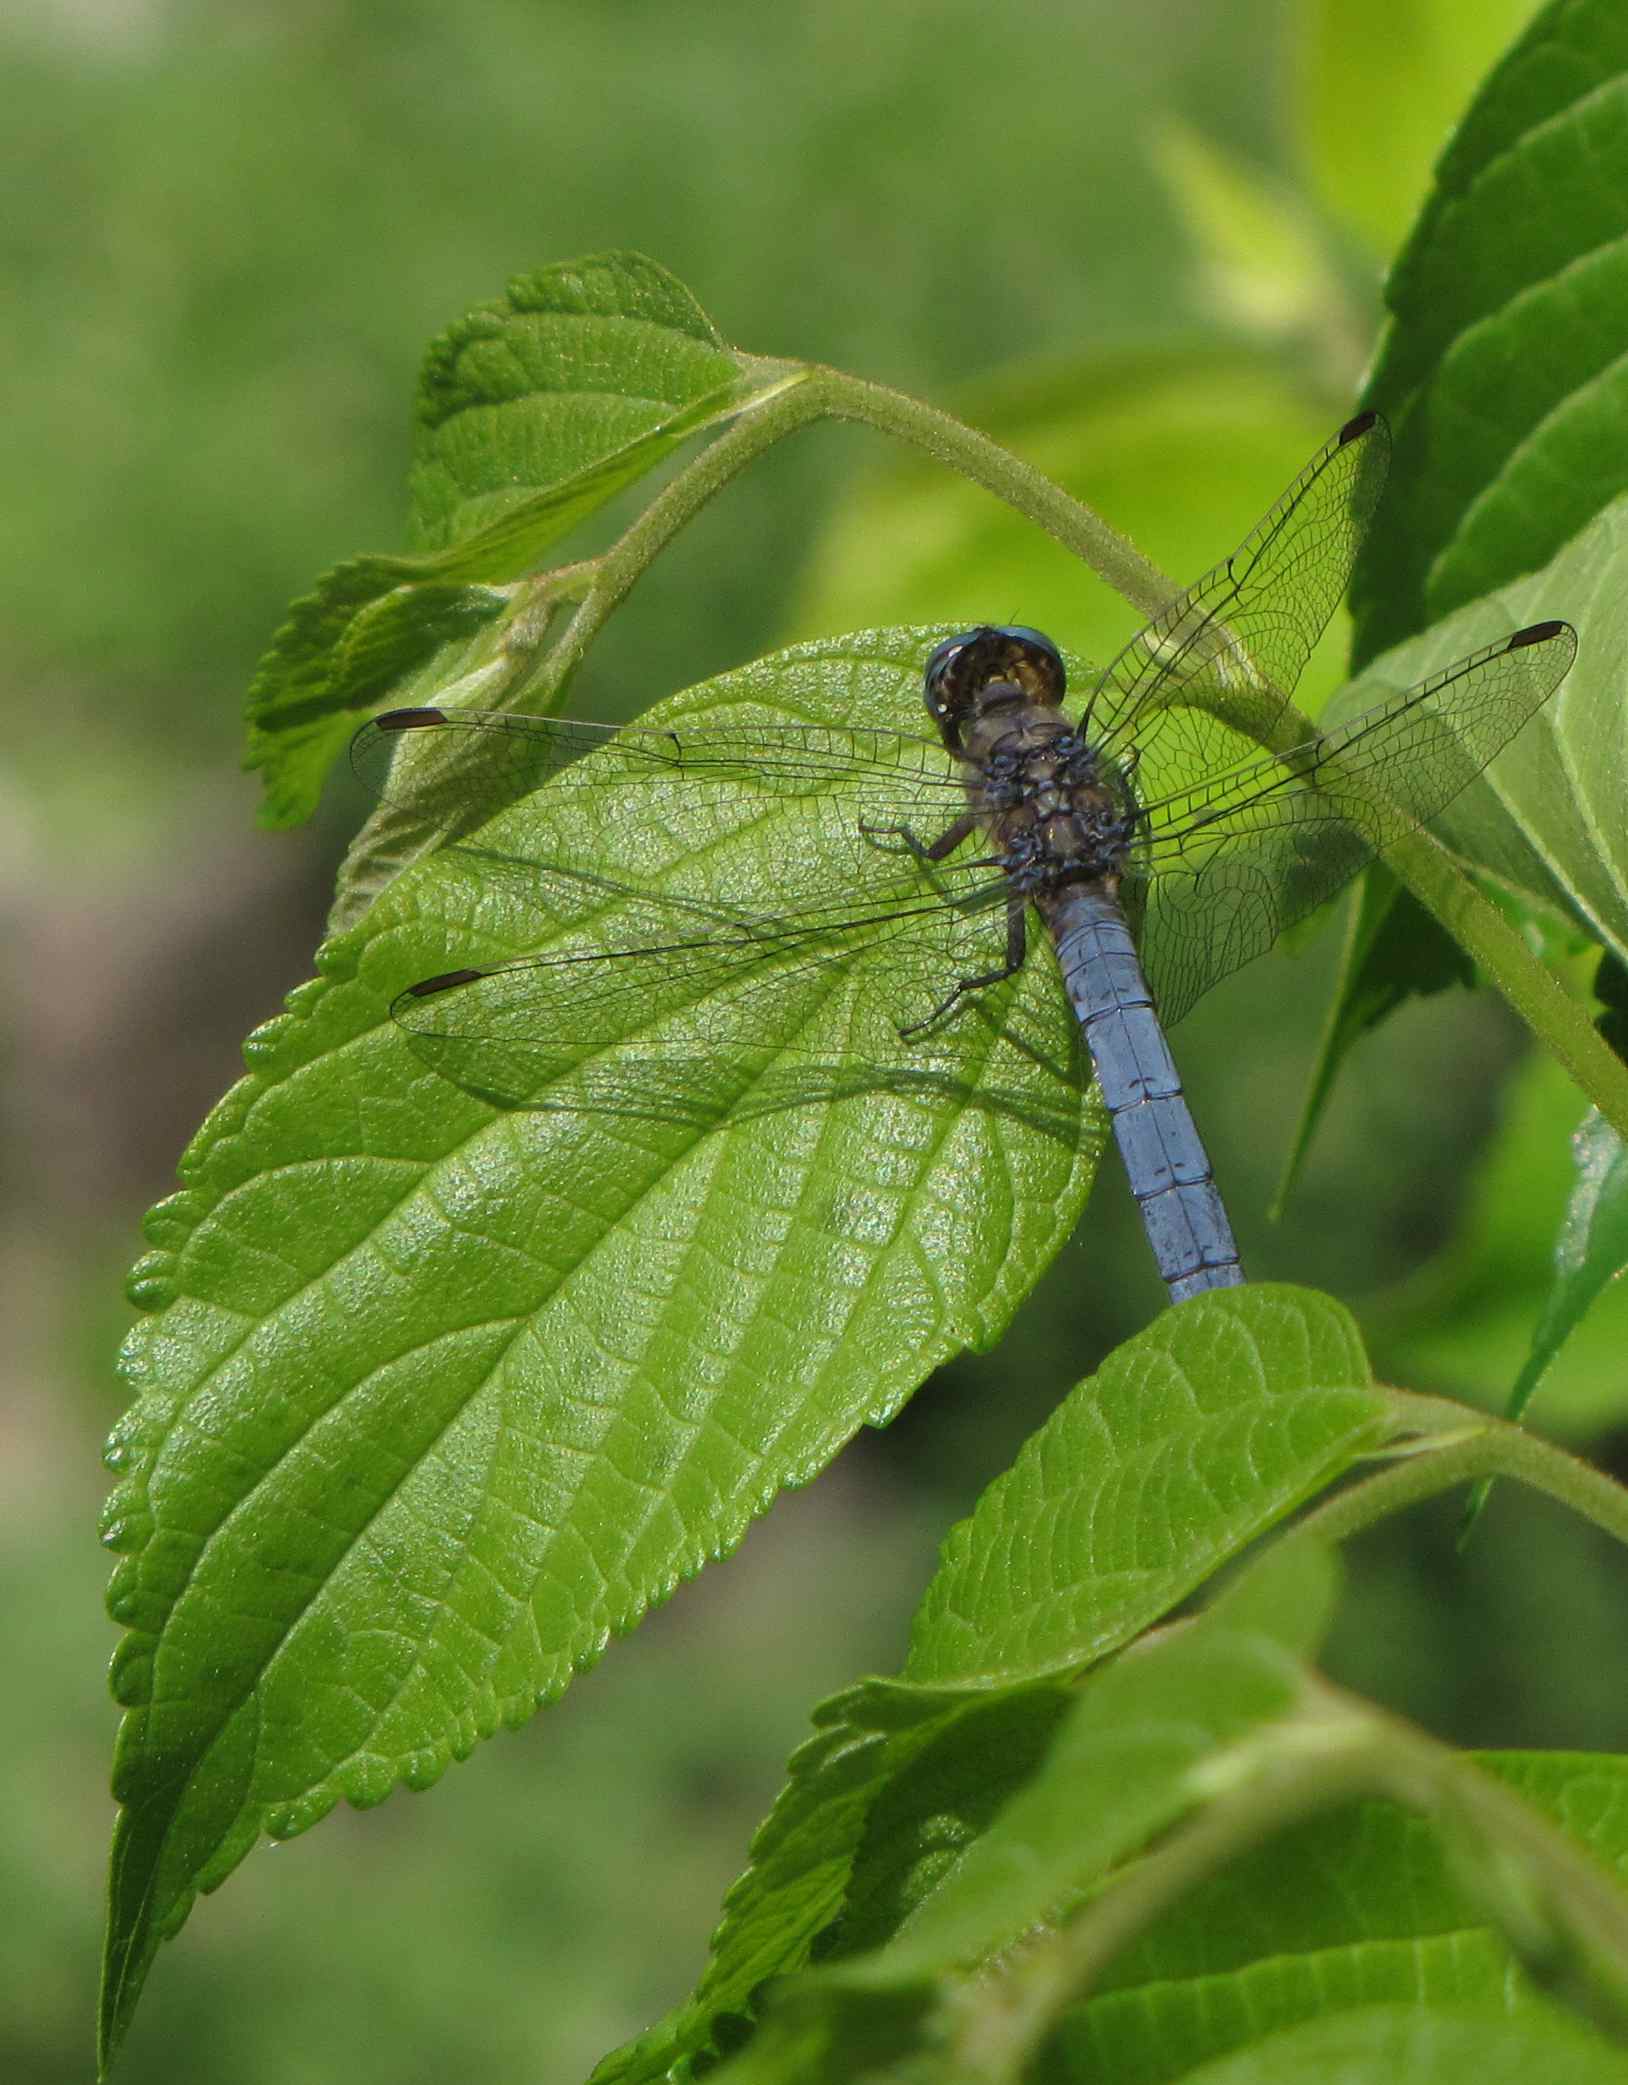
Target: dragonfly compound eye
1011,654
943,686
1035,662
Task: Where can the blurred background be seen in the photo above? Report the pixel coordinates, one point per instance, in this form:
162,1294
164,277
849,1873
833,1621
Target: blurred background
1144,247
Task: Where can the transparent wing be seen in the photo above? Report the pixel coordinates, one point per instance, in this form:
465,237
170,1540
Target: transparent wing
1229,862
764,936
455,768
1249,626
802,1007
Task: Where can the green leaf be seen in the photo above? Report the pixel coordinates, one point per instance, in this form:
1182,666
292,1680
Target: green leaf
1407,2045
1499,375
1194,1438
878,1806
369,623
577,363
1400,68
1543,820
437,1395
1501,372
1591,1252
533,412
1359,1906
1147,1742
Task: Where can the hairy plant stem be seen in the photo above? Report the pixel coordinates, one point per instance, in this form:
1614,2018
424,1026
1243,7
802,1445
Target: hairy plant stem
1455,1446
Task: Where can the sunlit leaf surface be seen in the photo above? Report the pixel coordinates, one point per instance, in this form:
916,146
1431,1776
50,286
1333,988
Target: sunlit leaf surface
1194,1437
1502,374
435,1395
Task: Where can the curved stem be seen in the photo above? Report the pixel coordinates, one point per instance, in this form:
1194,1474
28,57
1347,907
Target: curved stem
789,400
1558,1020
1028,491
1460,1447
796,395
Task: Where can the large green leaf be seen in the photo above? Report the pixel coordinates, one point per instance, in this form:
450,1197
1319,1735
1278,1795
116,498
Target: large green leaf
436,1395
533,411
878,1807
1192,1439
1393,69
1545,819
1360,1906
1407,2046
1500,371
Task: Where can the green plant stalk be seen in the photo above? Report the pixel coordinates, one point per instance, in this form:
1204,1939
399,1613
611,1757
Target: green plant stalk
601,584
1456,1447
798,395
1336,1750
1076,526
1558,1020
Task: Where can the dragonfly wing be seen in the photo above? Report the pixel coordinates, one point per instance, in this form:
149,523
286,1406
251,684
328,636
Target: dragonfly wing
681,940
455,768
1250,625
1231,861
666,1009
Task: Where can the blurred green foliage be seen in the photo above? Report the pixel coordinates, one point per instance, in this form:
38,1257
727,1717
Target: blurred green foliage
231,234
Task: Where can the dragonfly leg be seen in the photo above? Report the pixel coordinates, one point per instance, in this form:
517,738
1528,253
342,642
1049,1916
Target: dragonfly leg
1017,947
946,843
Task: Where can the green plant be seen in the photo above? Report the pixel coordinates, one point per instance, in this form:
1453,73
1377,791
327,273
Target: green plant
434,1398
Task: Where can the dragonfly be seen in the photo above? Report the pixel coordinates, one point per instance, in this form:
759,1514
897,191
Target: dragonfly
1161,838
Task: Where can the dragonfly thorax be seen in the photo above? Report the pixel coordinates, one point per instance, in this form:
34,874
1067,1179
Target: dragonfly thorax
1056,810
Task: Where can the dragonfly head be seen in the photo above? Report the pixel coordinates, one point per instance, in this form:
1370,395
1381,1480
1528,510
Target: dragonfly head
983,668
